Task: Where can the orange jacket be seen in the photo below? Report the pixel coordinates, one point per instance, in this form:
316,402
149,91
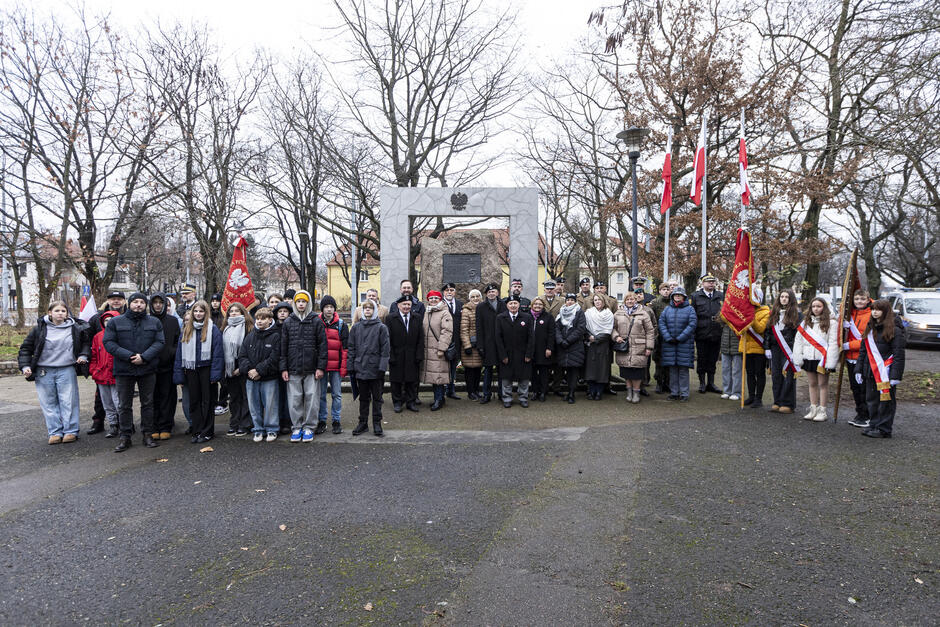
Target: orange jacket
860,318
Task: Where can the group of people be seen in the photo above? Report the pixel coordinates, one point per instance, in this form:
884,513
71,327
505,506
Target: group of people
274,362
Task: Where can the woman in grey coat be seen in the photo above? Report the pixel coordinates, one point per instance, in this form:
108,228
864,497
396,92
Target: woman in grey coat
367,360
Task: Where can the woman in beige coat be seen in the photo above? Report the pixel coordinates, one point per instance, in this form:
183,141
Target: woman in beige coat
633,323
438,334
472,360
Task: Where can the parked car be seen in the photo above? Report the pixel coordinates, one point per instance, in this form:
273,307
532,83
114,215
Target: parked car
919,309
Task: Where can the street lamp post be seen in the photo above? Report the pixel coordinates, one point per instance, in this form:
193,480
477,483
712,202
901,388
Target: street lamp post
304,243
634,137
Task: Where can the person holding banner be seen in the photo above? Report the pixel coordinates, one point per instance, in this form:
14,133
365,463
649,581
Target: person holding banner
751,346
816,350
880,368
852,344
785,317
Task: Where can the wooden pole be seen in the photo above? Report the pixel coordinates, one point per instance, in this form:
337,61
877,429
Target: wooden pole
835,408
743,369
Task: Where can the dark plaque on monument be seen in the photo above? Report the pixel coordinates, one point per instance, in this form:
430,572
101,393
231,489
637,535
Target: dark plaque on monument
464,268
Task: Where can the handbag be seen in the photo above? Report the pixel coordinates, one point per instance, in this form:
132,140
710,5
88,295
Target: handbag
623,346
451,353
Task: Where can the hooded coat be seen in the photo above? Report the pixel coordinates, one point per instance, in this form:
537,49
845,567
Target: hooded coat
171,333
638,329
134,333
486,331
569,341
101,366
468,337
438,333
303,342
369,349
677,329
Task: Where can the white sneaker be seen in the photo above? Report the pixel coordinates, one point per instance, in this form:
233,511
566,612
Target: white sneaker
812,412
725,395
822,415
219,410
271,437
258,437
734,397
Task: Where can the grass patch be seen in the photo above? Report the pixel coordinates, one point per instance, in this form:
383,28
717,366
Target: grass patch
10,340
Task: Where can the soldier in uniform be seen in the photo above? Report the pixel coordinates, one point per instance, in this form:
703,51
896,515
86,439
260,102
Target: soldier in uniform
585,296
707,304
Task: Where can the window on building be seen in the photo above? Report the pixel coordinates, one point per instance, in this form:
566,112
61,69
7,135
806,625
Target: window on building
363,275
620,277
619,296
615,258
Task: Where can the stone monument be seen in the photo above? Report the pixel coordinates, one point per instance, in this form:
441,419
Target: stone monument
467,258
400,204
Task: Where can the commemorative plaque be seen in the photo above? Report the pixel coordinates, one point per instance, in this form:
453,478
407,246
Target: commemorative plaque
461,268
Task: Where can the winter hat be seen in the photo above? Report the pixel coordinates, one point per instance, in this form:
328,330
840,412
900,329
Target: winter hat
282,305
679,290
216,296
139,295
435,293
302,295
289,294
106,315
326,300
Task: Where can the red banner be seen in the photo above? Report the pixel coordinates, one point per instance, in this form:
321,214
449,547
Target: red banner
738,307
238,288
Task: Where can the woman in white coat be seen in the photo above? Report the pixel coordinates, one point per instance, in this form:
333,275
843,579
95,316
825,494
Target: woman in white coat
816,350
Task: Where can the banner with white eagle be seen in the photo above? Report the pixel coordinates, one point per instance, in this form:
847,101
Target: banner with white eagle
238,288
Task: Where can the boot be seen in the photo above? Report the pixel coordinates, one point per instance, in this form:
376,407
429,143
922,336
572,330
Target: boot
811,413
148,441
710,384
636,396
659,388
821,414
112,431
97,426
570,399
362,427
123,445
701,384
377,427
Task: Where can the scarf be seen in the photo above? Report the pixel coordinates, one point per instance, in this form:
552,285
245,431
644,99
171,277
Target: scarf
232,341
189,348
493,303
631,310
567,314
599,321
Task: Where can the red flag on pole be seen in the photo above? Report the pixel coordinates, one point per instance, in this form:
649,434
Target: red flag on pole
238,288
665,202
738,307
742,167
698,167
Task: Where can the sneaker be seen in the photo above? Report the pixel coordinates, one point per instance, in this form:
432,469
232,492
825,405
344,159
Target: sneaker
337,427
725,395
231,432
295,435
321,428
258,437
812,412
858,422
734,397
822,414
240,432
307,435
219,410
271,437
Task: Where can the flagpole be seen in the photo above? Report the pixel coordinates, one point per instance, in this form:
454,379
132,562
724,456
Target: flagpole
704,193
743,206
668,212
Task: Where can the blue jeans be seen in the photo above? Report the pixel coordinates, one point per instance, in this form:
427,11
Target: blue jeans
335,381
263,404
57,388
679,381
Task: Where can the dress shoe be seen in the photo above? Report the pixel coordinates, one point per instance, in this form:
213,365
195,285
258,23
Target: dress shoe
411,407
756,405
363,426
378,432
701,388
748,401
96,427
643,392
473,396
337,427
112,432
123,444
148,441
195,439
785,410
437,405
523,404
710,387
396,407
570,399
875,433
560,394
672,397
540,398
454,396
486,399
418,402
507,404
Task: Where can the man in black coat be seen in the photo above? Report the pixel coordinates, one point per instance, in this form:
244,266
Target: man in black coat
135,340
303,363
515,291
707,304
455,307
115,302
486,313
164,390
406,352
407,291
515,344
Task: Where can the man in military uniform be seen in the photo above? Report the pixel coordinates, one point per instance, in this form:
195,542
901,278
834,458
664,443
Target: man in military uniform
515,291
552,302
659,304
639,288
585,296
707,304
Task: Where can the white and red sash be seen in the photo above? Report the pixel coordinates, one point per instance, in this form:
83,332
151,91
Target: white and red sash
787,350
879,367
809,334
756,337
853,329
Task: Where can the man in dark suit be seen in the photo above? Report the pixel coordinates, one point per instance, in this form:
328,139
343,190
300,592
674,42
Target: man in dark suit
406,342
515,343
455,306
707,304
486,313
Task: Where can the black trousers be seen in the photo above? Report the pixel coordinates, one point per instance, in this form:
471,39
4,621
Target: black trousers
201,405
782,383
539,380
472,378
404,393
239,415
880,413
164,402
98,416
708,353
558,374
756,376
219,393
662,372
370,393
572,377
858,394
125,388
283,409
490,376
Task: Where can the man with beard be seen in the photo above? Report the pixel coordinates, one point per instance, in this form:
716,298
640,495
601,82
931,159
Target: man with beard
407,289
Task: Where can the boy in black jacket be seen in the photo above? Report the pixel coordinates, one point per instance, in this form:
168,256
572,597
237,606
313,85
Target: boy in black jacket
164,390
259,359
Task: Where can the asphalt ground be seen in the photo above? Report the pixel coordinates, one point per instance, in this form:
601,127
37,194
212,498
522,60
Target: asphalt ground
593,513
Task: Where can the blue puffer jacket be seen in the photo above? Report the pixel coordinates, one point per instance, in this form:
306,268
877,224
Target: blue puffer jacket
677,328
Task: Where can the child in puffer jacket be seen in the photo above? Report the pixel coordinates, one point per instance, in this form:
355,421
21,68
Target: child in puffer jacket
102,373
337,339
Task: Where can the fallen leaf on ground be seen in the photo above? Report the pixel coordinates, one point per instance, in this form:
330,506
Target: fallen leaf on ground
244,548
746,585
367,607
282,527
196,482
160,461
259,490
112,538
918,580
207,449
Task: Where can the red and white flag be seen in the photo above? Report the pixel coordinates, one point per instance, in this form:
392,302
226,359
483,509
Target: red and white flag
742,167
238,288
665,203
739,306
698,167
87,308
